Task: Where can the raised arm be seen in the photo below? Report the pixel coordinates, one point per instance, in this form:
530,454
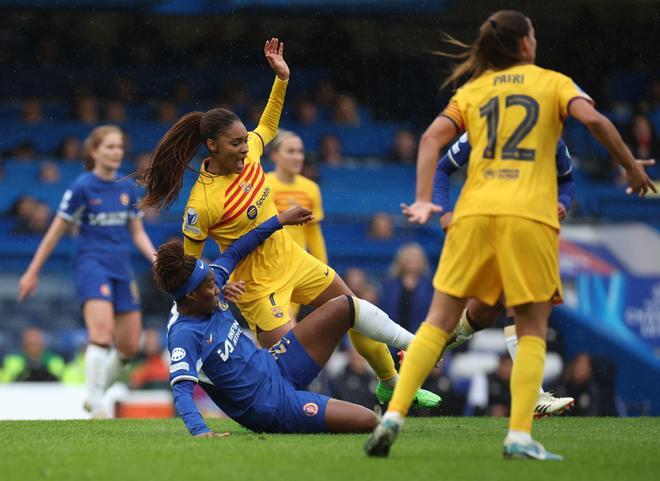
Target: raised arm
270,119
244,245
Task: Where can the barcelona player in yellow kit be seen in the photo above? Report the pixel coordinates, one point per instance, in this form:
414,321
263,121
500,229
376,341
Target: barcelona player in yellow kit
230,197
505,232
290,188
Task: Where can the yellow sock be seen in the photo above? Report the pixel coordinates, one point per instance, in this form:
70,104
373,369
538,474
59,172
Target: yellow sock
422,355
526,378
376,353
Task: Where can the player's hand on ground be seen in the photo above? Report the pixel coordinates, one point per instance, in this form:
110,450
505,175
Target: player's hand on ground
420,212
234,290
637,179
445,220
27,285
274,52
212,434
295,216
561,211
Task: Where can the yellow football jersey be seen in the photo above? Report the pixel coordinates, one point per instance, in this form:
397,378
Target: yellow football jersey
225,207
514,118
305,193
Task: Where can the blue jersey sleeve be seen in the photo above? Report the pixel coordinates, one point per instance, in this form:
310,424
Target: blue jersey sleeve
564,164
73,203
185,406
225,264
441,183
184,355
459,153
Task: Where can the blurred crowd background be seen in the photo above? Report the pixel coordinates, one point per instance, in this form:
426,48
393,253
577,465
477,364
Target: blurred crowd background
364,85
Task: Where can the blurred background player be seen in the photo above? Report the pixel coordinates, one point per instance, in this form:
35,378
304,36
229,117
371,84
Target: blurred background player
230,195
506,221
258,388
290,188
104,205
479,315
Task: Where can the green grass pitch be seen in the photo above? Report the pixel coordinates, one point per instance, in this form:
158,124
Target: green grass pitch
429,449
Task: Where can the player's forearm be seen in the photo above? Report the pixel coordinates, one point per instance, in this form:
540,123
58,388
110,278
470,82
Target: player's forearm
244,245
605,132
441,183
48,243
144,245
270,119
430,144
316,242
185,407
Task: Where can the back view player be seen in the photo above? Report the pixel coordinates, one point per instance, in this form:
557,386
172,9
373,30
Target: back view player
105,208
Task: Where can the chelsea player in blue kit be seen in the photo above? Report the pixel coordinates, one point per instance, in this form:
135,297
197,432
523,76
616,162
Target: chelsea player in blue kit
105,210
262,389
478,315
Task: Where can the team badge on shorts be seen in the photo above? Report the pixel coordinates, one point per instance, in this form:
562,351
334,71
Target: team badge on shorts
277,312
124,199
311,409
105,290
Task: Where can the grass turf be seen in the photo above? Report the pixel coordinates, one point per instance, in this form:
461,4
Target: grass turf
429,449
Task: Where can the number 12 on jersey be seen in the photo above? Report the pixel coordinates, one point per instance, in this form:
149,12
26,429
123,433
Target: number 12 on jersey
510,149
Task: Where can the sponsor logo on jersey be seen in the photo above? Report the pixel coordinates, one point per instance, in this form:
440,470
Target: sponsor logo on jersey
489,173
252,212
124,199
178,353
105,290
179,366
263,197
210,339
245,186
108,219
277,312
311,409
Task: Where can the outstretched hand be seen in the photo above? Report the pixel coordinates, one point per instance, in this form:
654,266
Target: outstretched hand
274,52
420,212
638,180
295,216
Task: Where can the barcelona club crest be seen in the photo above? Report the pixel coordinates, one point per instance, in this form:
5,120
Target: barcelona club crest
245,186
277,312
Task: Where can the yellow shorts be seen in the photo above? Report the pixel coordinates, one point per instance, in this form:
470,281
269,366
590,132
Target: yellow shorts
485,256
310,279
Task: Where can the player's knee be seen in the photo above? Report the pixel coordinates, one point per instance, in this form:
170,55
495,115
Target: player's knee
341,309
366,421
128,348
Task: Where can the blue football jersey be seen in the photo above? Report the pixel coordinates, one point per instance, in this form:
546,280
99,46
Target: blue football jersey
102,209
215,351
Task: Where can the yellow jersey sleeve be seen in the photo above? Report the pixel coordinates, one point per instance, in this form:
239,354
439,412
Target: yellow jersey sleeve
454,111
270,120
197,220
567,91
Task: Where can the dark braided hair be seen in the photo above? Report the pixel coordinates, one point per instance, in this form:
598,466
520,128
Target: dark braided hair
162,177
173,267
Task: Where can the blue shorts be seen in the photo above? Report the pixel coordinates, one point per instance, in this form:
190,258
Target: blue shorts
299,411
93,281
